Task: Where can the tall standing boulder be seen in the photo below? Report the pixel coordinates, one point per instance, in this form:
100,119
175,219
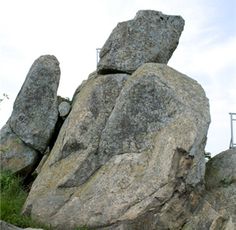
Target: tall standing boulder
130,154
150,37
35,109
35,113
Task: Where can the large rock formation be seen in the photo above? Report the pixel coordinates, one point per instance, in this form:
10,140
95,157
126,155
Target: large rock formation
31,126
128,151
130,155
150,37
35,109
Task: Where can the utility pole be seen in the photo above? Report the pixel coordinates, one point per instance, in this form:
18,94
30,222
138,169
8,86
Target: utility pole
232,123
97,54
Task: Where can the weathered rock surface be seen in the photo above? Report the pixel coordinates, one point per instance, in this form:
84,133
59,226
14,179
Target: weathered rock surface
130,150
221,170
129,155
150,37
218,209
35,109
64,108
15,155
221,183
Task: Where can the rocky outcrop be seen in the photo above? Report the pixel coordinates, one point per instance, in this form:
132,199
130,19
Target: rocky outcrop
31,127
131,148
221,184
35,109
221,170
217,209
150,37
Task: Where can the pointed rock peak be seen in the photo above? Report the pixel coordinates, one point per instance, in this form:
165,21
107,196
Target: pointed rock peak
150,37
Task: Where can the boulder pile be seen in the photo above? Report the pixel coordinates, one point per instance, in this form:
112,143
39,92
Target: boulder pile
129,153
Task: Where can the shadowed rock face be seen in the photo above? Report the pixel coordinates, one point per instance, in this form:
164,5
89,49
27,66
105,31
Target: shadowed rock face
131,149
35,110
150,37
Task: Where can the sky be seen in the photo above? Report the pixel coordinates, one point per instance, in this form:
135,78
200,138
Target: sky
72,30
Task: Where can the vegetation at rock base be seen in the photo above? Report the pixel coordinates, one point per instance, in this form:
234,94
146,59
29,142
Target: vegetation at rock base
12,198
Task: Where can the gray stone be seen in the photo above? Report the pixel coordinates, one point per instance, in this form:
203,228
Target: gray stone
35,109
217,210
91,109
15,155
6,226
207,218
221,183
130,153
221,170
64,108
150,37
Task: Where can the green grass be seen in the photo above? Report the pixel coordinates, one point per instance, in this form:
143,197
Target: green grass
12,198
